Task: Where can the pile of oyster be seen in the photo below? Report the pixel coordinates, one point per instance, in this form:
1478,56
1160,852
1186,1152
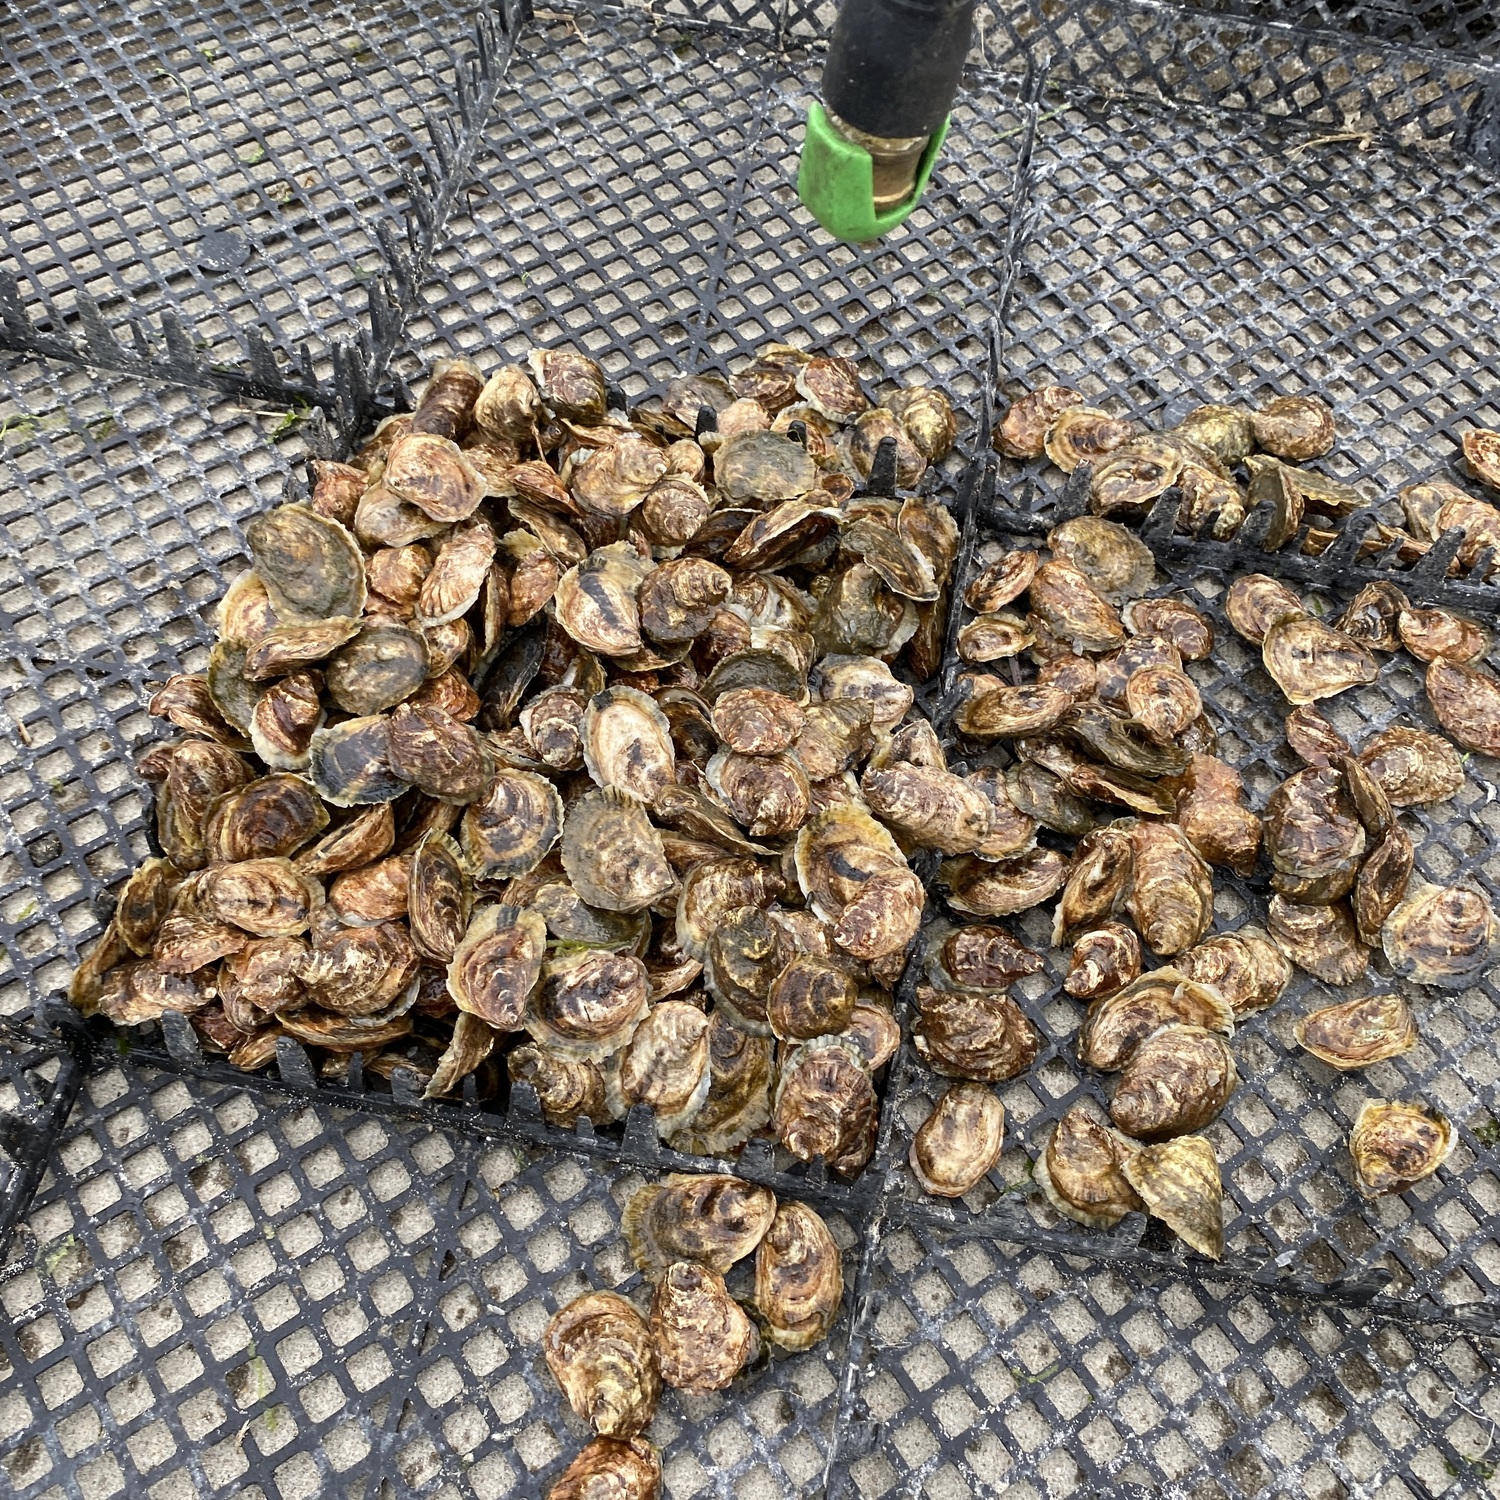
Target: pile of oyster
1228,462
572,742
686,1234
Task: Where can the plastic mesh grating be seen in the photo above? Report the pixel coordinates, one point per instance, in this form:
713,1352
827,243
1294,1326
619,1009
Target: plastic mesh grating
261,1295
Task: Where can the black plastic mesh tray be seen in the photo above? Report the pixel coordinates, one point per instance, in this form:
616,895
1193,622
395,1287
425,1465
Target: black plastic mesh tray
1311,210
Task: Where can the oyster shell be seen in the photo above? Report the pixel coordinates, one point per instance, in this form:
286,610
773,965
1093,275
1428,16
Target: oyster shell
1117,1024
976,957
999,888
1313,738
1382,883
1309,661
664,1066
1103,865
285,718
349,763
1372,615
1171,899
274,815
1395,1144
311,567
438,754
977,1034
1171,620
601,1353
812,996
511,829
627,743
1466,701
1001,582
1320,939
1134,474
999,710
1103,961
1211,811
1244,966
613,854
1175,1081
713,1220
959,1141
933,808
1084,434
611,1469
825,1106
768,795
703,1337
1022,432
1445,936
1313,836
588,1005
1355,1033
738,1102
854,875
1178,1181
1079,1170
1432,633
568,1088
439,896
799,1278
680,598
266,897
432,473
714,889
1294,427
496,965
1164,702
1256,602
596,601
1412,766
1070,607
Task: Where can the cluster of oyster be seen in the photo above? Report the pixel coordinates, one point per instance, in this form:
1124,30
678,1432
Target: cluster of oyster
686,1235
1227,462
554,734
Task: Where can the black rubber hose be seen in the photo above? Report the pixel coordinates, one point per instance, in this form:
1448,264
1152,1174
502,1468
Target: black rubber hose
894,65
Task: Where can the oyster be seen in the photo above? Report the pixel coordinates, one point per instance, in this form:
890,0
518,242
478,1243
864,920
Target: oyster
1134,474
1412,766
713,1221
510,830
1070,607
349,763
1001,582
664,1066
289,646
145,900
1482,454
1115,561
676,507
1256,602
1103,864
496,965
1211,811
1313,738
567,1088
1102,961
433,474
588,1005
1308,660
680,598
1432,633
998,710
927,418
1163,701
854,875
874,1034
439,896
713,890
1313,837
1244,966
799,1278
976,1034
1171,899
1356,1033
1227,433
1446,936
508,405
999,888
266,897
1320,939
596,601
571,384
627,743
1022,432
1171,620
601,1353
1294,427
1178,1181
311,567
825,1105
438,754
359,840
1175,1081
994,637
611,1469
612,854
757,721
274,815
811,996
285,718
977,958
703,1337
767,795
1372,616
1382,883
830,385
933,808
1084,434
1466,701
1395,1144
1117,1024
1079,1170
738,1102
470,1046
959,1141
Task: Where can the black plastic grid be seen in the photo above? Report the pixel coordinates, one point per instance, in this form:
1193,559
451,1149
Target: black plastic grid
917,304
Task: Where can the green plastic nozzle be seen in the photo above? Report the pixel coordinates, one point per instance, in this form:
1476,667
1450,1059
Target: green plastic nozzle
837,181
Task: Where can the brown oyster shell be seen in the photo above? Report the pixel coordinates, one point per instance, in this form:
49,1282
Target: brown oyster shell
1294,427
1174,621
1413,766
1395,1144
712,1220
959,1141
977,1034
567,1088
1466,701
588,1005
1117,1024
601,1353
799,1278
511,829
311,567
933,808
703,1337
1372,615
1244,966
1072,609
1103,864
1446,936
439,896
825,1106
1355,1033
496,965
1022,432
1079,1170
1320,939
1176,1081
1255,602
664,1066
1103,961
1211,811
264,897
611,1469
1163,701
1313,738
1001,582
738,1102
999,888
627,743
1179,1183
1171,899
811,996
1084,434
1309,660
